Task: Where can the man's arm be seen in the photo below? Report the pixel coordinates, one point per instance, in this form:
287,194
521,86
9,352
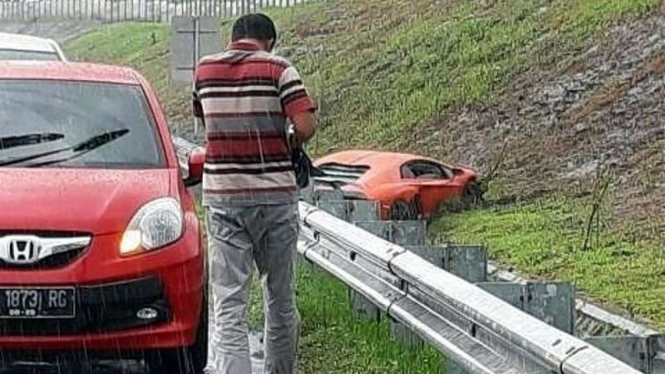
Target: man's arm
298,106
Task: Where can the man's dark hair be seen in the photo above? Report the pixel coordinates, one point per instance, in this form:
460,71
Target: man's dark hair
254,26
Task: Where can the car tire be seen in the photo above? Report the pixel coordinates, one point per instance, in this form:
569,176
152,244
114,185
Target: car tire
405,211
472,194
185,360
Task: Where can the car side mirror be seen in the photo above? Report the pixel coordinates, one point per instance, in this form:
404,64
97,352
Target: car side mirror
457,172
195,163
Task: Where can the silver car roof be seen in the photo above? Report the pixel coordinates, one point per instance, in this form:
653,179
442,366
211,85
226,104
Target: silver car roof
29,43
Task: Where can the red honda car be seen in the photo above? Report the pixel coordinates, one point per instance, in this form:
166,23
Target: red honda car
101,250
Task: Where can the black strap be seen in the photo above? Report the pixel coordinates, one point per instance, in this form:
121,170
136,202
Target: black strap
303,167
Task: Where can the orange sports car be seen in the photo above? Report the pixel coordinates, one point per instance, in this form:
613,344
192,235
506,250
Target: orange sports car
406,186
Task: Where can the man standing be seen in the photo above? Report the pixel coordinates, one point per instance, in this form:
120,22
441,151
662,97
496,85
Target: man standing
245,96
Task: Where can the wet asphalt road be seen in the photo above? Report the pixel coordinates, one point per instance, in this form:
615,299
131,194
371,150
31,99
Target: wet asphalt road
114,367
127,367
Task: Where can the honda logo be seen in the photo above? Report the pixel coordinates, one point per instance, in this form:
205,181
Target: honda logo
30,249
23,250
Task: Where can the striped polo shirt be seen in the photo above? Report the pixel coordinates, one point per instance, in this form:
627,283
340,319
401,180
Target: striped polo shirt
244,96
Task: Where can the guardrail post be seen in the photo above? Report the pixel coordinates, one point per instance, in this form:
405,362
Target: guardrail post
468,262
551,302
399,232
337,208
658,364
365,214
333,202
642,353
307,195
320,195
363,210
351,210
403,233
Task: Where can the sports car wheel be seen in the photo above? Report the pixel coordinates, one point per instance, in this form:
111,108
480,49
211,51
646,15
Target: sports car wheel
472,194
405,211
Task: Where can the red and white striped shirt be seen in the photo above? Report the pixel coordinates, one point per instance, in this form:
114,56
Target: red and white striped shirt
245,95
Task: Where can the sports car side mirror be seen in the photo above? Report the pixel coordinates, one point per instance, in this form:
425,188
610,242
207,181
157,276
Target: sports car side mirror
195,163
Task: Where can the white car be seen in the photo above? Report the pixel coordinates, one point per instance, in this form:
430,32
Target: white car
27,47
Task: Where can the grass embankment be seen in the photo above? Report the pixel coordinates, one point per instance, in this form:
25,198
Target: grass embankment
382,69
545,240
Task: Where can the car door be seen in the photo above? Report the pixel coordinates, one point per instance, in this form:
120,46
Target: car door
434,182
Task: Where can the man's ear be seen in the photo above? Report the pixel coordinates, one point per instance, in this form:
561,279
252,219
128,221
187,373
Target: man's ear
271,44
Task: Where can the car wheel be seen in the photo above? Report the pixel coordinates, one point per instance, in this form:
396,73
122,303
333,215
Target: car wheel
472,194
186,360
404,211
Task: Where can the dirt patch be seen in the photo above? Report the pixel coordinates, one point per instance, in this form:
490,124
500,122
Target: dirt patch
602,107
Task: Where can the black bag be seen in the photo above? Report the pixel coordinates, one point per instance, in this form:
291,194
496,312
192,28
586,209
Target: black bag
303,167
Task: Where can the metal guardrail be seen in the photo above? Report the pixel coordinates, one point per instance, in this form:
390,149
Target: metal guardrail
478,331
471,324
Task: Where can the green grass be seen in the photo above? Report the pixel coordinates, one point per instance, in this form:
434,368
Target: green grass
583,17
333,340
546,239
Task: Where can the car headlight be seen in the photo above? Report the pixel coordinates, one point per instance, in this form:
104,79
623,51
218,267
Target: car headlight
156,224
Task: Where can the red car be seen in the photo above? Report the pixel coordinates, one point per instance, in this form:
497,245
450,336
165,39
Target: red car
407,186
101,250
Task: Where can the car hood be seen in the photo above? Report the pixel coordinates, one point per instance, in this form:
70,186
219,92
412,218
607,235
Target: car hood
79,200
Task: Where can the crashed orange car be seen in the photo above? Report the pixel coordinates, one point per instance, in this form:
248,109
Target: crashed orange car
407,186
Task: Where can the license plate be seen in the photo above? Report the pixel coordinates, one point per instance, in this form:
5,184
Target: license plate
38,303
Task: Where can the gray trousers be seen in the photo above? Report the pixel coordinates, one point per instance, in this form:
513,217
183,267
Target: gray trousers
238,238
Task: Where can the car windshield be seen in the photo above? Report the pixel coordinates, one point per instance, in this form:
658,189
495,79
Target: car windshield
20,55
77,125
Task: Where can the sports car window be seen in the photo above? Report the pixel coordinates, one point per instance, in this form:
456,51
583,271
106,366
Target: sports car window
423,170
76,125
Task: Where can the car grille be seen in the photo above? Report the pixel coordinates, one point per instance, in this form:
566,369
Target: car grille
51,262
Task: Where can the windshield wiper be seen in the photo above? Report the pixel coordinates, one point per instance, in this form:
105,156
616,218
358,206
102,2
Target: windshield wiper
29,139
78,149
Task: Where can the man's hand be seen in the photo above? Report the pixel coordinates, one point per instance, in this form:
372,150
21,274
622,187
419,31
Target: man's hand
304,125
